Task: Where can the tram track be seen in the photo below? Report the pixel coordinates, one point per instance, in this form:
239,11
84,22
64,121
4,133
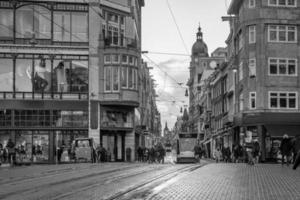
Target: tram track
160,178
104,175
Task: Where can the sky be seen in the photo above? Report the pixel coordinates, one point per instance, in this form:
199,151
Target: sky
160,34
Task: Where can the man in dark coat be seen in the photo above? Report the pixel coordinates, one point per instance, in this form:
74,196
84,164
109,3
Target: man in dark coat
11,151
286,149
296,148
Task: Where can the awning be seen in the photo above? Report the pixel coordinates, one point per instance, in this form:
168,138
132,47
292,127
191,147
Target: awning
280,130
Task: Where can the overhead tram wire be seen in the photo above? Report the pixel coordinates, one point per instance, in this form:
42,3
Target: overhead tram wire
180,84
177,27
170,54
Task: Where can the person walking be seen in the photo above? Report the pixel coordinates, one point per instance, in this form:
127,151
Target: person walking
11,152
197,151
227,154
249,150
256,151
286,149
296,149
217,155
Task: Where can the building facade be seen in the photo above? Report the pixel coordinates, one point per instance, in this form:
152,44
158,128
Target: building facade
202,66
264,51
69,70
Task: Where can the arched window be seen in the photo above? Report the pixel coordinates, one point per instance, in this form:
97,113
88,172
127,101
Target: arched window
33,19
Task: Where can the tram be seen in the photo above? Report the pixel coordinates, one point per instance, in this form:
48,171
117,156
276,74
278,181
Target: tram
185,147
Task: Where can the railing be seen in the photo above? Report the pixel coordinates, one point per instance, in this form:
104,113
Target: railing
43,96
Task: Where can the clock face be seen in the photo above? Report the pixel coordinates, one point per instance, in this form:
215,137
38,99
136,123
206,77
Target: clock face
213,64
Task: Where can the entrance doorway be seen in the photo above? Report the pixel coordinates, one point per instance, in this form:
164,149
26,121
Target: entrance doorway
114,144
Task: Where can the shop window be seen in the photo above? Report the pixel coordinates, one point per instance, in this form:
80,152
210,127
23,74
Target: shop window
24,146
4,137
6,74
40,148
23,75
70,76
6,23
33,19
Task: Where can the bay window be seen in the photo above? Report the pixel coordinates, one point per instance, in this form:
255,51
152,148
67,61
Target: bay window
112,80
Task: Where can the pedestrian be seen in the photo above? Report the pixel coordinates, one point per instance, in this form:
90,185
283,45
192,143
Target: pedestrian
139,153
11,152
286,149
256,151
98,152
235,153
249,151
227,154
296,149
197,152
217,155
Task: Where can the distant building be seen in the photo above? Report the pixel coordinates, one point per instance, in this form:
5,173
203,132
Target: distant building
201,67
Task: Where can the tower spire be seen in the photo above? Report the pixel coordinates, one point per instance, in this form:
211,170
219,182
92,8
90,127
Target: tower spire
199,33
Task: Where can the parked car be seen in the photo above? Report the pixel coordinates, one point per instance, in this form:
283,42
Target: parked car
84,150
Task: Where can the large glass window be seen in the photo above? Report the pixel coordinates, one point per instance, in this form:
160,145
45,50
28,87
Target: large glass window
23,75
107,72
6,75
40,148
124,77
70,76
24,146
33,19
6,23
42,76
285,3
70,26
70,118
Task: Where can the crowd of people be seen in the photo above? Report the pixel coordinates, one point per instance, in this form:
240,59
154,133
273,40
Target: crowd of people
154,154
251,152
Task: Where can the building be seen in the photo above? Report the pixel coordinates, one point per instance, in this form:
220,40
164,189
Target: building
150,122
201,67
69,69
264,50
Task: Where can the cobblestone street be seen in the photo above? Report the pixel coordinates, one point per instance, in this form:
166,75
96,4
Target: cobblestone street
236,182
209,181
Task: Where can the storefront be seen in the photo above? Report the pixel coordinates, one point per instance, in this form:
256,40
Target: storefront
114,144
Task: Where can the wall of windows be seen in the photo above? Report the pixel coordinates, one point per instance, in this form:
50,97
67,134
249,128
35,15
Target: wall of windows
283,100
44,74
69,23
284,3
120,72
282,66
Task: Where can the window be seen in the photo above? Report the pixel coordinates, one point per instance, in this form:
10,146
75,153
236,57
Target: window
281,33
252,34
252,67
31,20
6,75
70,26
283,3
6,23
282,67
124,59
131,60
115,58
241,41
251,3
107,59
252,99
241,102
285,100
241,74
124,77
112,80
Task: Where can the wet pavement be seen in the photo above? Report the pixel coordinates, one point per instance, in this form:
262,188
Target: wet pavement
151,181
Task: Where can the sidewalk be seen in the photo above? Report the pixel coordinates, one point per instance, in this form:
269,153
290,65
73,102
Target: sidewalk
236,182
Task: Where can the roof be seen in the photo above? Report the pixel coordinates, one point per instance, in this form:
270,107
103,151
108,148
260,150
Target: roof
234,6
